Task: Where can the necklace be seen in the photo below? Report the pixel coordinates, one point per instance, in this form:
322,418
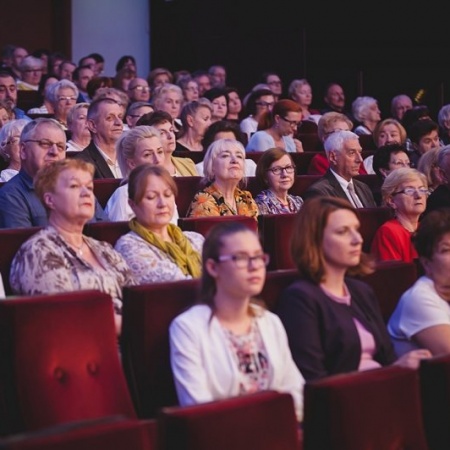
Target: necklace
79,249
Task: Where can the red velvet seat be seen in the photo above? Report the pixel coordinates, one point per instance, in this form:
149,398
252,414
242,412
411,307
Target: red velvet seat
311,142
104,188
371,219
203,224
10,241
264,421
104,434
375,409
276,282
187,188
367,142
60,361
106,231
435,388
147,313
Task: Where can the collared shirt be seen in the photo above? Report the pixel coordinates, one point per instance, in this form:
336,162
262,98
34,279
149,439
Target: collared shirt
114,166
344,185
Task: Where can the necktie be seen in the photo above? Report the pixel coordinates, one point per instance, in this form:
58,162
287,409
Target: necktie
355,200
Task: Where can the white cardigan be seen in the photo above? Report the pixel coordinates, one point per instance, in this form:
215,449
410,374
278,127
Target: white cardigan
204,366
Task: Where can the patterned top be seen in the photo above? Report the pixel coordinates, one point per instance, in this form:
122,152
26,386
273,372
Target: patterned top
46,264
268,203
211,202
148,263
251,359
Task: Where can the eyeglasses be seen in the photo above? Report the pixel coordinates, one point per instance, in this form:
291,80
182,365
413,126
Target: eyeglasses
242,261
277,170
401,163
265,104
412,191
292,123
67,99
141,88
33,70
278,83
47,144
12,140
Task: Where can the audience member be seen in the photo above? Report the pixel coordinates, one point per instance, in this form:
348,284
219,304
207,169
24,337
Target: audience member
218,98
81,77
62,96
18,54
333,321
123,78
80,136
189,87
96,83
405,191
169,98
54,61
158,77
301,92
135,111
234,104
424,135
388,158
228,345
156,249
223,167
334,98
105,122
366,113
277,128
440,197
31,69
276,170
67,260
275,84
115,94
203,81
66,70
99,63
218,76
428,165
46,106
8,92
344,155
10,148
126,62
444,124
399,105
6,113
422,316
138,90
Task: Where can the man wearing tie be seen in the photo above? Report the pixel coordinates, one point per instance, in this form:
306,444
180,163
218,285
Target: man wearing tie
344,154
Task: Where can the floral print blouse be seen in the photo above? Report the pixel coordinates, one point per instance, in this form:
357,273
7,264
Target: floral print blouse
268,203
46,264
211,202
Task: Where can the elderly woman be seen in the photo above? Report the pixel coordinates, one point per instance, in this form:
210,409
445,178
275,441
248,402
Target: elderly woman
62,96
405,190
67,260
31,70
169,98
333,321
228,345
301,92
6,113
155,249
10,147
141,145
195,119
422,316
80,136
390,157
366,112
276,170
189,87
277,128
223,166
444,124
428,165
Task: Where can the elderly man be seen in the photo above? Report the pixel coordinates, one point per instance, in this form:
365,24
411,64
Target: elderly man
334,99
135,111
344,155
42,141
8,92
105,122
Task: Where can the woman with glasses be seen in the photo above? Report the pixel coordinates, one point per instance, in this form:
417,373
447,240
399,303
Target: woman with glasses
276,170
228,345
332,319
10,147
277,128
405,191
422,315
62,95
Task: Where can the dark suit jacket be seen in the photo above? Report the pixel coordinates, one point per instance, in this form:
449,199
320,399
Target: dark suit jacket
439,198
329,186
92,155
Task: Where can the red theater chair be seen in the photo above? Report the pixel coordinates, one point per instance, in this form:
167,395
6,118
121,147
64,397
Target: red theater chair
187,188
106,231
104,188
203,224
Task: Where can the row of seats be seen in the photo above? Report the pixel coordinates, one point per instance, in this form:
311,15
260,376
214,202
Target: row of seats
275,231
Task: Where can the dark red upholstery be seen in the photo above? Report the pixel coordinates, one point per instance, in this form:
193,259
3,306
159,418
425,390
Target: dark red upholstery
203,224
147,313
60,361
311,142
10,241
435,388
106,231
187,188
104,188
103,434
374,182
264,421
367,143
389,281
302,160
375,409
276,282
371,219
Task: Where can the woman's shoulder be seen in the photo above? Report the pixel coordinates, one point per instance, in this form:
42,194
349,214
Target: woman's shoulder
194,315
193,236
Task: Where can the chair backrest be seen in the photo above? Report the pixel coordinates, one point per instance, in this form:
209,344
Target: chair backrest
389,281
60,361
374,182
276,282
302,161
10,241
367,142
203,224
187,188
195,156
371,219
375,409
106,231
311,142
275,231
148,311
435,388
264,421
104,188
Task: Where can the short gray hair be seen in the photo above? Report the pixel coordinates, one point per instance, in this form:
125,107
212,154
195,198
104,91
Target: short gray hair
53,91
336,140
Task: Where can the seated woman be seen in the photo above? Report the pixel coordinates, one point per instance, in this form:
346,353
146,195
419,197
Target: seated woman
140,145
60,258
388,158
333,321
422,316
10,147
367,113
428,165
228,345
404,190
223,166
80,136
155,249
276,170
277,128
